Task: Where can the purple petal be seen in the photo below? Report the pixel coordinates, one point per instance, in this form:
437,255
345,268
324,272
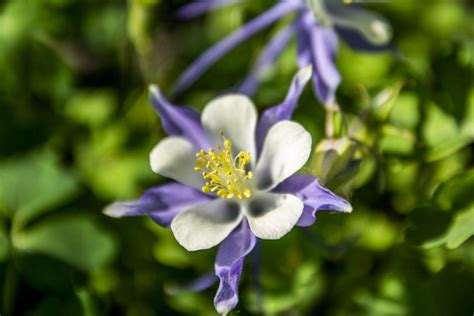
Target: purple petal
314,196
229,263
303,51
209,57
322,46
267,58
326,75
197,8
196,285
283,111
161,203
179,120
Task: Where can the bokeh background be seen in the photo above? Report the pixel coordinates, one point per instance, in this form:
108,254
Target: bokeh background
76,130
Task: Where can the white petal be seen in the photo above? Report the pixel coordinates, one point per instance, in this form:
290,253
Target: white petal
285,150
272,215
206,225
173,157
235,116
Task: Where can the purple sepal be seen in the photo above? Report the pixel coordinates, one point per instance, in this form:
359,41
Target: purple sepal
200,284
229,263
314,196
161,203
283,111
318,45
266,59
209,57
200,7
303,53
179,120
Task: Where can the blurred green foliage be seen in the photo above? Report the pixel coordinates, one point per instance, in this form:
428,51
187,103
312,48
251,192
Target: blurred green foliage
76,129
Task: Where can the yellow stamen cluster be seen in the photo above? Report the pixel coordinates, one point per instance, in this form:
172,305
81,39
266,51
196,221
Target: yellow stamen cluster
224,174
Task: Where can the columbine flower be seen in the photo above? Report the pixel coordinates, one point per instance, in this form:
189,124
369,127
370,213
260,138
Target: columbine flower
316,25
234,178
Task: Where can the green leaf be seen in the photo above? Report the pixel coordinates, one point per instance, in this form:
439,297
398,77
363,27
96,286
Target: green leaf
50,305
87,302
397,141
405,113
32,185
375,306
460,230
445,141
4,244
90,107
385,100
432,227
443,18
447,148
302,289
426,225
76,240
432,133
457,192
359,68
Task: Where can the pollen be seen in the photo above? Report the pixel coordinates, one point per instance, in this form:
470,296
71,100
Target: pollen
225,174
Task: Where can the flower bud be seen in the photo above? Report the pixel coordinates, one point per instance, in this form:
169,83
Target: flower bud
334,159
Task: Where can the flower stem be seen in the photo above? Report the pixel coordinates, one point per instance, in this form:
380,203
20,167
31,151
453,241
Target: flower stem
331,109
9,289
256,261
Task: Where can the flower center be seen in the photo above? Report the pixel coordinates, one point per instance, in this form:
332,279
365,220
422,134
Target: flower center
223,173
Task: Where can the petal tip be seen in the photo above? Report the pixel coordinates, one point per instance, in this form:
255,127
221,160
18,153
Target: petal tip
153,88
304,74
347,209
115,210
225,307
154,91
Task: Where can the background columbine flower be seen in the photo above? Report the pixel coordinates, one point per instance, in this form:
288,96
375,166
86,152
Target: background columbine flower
234,180
317,25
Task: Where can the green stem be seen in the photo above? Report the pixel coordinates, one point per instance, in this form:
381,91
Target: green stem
9,288
330,110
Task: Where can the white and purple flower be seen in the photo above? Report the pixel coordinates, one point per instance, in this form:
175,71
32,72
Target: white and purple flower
317,25
234,179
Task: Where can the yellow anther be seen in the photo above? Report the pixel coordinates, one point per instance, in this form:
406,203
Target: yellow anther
224,174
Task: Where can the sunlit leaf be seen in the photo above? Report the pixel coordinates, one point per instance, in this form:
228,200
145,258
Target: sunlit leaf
301,290
457,192
396,141
77,240
432,133
385,100
426,225
91,108
461,229
32,185
4,244
446,148
406,111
